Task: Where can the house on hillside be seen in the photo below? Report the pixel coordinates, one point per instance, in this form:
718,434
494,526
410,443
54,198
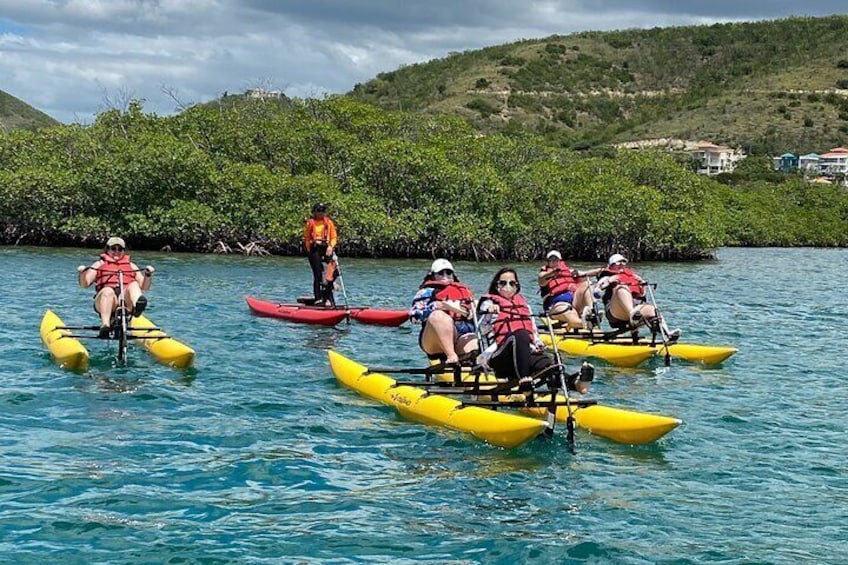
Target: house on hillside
263,93
715,159
834,163
712,159
828,167
786,163
809,162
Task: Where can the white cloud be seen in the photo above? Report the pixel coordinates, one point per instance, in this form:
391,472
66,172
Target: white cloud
63,56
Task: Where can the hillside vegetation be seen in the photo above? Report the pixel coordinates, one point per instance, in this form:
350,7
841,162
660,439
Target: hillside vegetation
399,184
17,114
768,87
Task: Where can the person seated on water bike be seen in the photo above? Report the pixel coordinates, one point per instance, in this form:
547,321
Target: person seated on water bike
112,268
443,306
625,299
566,292
515,352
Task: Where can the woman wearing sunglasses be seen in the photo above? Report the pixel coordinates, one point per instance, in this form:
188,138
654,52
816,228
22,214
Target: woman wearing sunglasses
624,298
112,268
443,306
514,352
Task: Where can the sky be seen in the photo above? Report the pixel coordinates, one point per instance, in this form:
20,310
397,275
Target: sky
75,58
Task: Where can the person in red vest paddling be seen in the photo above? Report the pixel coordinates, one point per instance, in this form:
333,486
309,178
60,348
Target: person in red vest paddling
443,306
319,237
515,352
625,299
112,268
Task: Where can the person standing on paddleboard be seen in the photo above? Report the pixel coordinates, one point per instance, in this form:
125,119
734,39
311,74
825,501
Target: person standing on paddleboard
515,351
319,237
443,306
107,273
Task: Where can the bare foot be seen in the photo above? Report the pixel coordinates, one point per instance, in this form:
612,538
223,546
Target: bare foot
450,359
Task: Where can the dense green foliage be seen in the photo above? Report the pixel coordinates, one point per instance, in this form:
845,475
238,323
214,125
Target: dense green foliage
398,184
768,87
17,114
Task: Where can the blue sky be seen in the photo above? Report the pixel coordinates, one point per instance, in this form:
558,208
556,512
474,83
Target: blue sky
75,58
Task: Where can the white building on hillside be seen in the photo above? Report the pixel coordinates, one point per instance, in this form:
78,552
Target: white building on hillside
715,159
834,162
809,162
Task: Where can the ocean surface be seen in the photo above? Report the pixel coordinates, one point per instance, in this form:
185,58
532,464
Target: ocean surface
257,454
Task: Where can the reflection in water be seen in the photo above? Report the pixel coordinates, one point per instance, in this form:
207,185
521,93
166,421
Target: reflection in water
111,383
325,338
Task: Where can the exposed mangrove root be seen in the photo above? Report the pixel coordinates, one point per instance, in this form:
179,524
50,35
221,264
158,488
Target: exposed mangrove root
253,248
222,247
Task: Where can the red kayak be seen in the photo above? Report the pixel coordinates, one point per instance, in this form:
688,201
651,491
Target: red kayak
379,317
325,315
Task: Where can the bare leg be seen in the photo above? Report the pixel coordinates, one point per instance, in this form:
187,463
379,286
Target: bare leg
131,293
564,312
466,343
622,303
105,303
583,297
439,336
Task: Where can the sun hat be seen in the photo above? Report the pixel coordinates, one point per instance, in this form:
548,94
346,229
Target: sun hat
440,265
616,258
116,241
553,253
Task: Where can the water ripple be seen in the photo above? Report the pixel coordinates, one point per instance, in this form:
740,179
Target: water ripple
258,456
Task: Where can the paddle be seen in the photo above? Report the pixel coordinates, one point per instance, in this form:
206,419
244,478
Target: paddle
657,313
344,292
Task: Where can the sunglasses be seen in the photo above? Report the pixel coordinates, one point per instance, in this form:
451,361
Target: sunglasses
503,284
116,248
445,273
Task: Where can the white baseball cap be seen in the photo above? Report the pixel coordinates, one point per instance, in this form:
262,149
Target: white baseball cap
616,258
440,265
116,241
554,253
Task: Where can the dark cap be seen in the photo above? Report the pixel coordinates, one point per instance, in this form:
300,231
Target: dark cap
319,208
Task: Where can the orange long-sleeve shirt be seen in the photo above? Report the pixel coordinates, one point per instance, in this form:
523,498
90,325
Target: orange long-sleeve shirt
319,231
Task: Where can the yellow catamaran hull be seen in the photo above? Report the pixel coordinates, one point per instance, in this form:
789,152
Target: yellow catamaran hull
499,428
67,352
161,347
624,353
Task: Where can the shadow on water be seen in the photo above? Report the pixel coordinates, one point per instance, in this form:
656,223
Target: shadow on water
325,338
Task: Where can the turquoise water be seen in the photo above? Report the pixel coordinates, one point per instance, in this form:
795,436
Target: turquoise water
257,455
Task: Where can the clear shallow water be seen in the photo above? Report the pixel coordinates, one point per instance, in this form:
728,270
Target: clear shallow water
257,456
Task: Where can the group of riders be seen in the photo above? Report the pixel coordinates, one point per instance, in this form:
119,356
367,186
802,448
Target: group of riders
499,331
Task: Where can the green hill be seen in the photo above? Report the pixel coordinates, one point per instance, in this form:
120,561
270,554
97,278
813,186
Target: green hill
769,86
17,114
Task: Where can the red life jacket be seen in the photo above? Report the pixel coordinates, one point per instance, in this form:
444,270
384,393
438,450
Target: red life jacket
627,277
561,283
452,290
111,269
514,315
